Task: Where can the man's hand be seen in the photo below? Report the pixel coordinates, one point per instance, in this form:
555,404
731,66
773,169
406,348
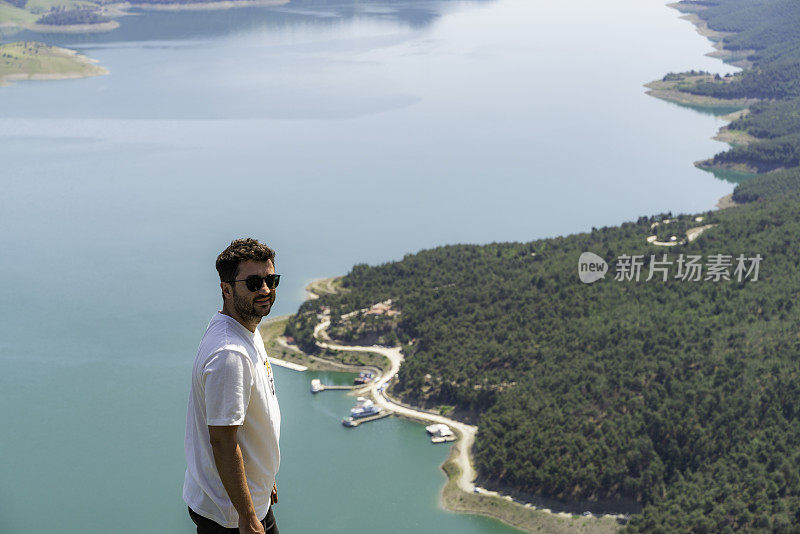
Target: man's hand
250,525
274,495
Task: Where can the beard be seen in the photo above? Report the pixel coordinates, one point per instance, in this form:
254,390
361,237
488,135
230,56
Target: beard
247,309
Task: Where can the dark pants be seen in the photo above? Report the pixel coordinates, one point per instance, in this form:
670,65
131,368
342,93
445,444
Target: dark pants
207,526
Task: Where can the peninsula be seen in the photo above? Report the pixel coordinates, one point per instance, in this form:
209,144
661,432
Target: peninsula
30,60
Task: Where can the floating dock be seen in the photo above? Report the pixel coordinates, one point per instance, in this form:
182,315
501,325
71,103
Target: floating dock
351,422
323,387
317,386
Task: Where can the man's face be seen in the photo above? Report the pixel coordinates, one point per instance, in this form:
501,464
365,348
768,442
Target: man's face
253,305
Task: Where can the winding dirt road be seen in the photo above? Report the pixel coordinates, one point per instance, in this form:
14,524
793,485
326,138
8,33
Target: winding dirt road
377,390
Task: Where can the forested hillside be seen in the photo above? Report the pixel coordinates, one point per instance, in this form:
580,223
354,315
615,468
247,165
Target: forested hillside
681,395
62,16
766,33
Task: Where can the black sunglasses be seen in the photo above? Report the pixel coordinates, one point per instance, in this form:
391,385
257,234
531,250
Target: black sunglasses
254,282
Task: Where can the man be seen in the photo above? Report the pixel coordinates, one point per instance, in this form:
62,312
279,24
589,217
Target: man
233,421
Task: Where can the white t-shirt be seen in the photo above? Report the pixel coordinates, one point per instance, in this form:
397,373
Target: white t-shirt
232,384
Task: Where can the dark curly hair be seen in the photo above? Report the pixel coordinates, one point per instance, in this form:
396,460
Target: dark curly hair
238,251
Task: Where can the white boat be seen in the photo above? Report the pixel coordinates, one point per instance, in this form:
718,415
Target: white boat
316,386
364,408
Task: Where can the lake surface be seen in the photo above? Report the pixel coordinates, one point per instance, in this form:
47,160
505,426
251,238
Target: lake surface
339,133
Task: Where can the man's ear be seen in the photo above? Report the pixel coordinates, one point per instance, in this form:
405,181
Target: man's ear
227,290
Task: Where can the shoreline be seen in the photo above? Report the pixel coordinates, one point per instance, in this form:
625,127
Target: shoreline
199,6
459,493
62,63
727,202
100,27
122,9
689,13
708,165
665,90
8,79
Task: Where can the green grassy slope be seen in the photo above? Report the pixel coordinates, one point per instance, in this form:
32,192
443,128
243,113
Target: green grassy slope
29,59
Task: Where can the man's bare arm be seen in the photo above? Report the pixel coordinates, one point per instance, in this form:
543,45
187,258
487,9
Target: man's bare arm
228,458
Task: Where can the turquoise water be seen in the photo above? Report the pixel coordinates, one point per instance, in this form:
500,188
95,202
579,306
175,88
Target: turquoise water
340,133
340,477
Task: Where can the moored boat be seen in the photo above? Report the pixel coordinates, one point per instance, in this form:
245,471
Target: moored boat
364,408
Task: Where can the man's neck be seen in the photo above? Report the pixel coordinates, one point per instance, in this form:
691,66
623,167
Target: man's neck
252,325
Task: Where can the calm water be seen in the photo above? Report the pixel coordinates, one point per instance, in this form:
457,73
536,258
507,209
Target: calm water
339,133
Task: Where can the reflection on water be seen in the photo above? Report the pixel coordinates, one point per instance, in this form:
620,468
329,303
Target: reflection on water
273,54
714,111
730,176
147,25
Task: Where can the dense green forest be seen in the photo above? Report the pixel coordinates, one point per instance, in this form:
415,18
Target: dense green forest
766,33
62,16
770,120
680,395
768,186
766,155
